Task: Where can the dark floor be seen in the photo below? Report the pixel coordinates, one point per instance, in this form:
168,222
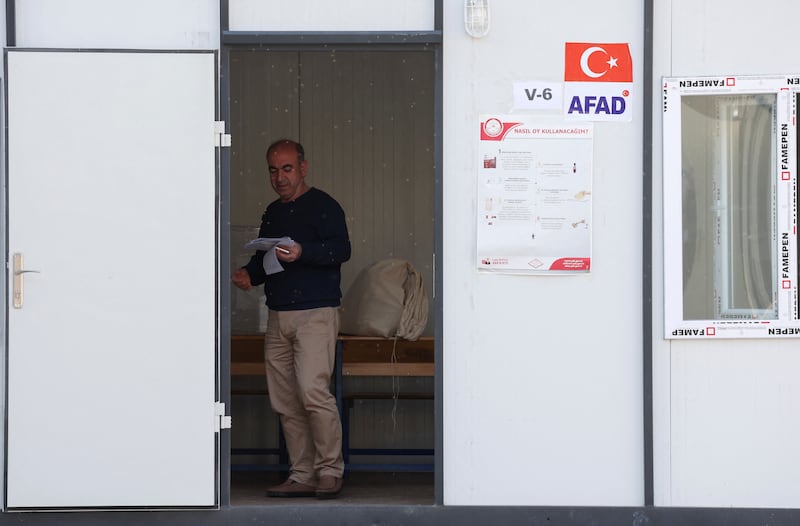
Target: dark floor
248,488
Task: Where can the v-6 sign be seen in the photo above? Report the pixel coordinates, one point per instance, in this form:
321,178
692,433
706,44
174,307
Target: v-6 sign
538,95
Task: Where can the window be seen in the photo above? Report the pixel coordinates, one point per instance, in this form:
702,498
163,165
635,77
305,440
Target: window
730,208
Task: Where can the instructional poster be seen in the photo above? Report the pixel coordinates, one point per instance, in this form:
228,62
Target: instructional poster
534,212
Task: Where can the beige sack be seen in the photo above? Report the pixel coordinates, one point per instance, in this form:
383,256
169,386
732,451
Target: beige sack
387,299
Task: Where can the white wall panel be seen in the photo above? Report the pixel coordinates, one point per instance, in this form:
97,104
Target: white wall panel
725,432
738,37
542,374
121,24
3,242
735,431
315,15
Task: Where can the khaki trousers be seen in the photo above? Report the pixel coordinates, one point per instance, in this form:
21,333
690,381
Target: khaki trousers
299,349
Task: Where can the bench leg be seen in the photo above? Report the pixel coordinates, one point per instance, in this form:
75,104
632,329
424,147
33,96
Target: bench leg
346,433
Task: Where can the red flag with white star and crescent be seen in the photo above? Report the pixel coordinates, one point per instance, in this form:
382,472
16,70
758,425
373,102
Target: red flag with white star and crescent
588,62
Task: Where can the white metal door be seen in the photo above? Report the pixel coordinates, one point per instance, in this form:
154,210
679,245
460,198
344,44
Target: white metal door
111,346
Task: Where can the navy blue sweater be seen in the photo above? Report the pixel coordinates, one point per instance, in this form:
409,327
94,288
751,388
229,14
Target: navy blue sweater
315,221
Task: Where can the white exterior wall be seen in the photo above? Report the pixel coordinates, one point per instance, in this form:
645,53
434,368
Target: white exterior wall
316,15
3,227
725,412
100,24
542,374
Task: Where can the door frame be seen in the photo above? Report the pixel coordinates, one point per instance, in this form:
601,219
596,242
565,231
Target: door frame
430,41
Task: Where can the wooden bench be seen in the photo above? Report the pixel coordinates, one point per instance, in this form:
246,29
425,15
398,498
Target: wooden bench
369,356
247,355
356,356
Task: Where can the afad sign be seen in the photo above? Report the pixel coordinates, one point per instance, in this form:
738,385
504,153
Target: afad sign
598,79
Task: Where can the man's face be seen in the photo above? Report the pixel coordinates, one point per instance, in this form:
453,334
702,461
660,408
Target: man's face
285,174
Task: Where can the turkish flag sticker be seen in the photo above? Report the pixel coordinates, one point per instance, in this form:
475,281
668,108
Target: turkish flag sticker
585,62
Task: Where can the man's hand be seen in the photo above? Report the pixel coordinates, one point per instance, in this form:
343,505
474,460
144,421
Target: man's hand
288,254
241,279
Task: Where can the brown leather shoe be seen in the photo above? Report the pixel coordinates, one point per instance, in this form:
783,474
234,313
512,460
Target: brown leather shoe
329,487
291,488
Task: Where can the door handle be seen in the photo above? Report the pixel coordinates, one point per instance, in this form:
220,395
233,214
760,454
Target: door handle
19,282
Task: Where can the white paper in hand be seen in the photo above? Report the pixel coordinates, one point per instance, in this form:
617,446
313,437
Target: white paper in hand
268,244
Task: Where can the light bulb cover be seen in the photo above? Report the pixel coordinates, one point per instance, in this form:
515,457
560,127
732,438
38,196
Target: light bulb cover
476,17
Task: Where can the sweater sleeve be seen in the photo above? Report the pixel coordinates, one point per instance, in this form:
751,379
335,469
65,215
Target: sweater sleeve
255,268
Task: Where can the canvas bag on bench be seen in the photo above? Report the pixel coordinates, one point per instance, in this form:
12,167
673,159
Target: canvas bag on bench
387,299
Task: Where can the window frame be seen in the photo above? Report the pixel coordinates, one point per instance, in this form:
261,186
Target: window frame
721,232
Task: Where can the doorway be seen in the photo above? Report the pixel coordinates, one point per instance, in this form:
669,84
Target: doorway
366,119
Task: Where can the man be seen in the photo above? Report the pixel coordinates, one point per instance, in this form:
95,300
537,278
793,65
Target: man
303,323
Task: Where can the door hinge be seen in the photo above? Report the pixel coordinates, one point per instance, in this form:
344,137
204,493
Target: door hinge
221,139
221,420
